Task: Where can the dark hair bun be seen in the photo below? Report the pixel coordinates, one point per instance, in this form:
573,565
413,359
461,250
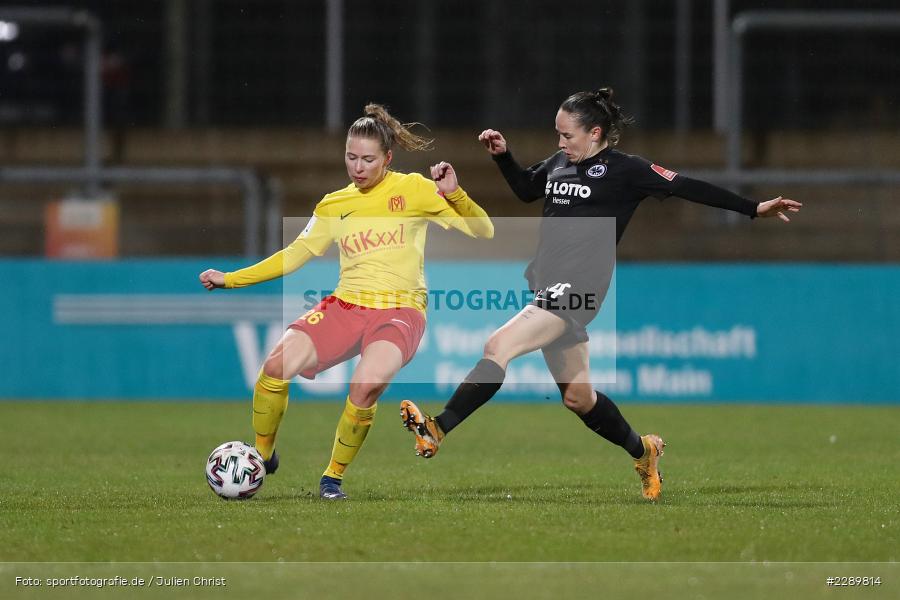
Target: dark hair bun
604,94
597,109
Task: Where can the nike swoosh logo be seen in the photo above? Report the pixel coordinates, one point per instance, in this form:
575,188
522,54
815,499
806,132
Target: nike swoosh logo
341,442
402,323
347,215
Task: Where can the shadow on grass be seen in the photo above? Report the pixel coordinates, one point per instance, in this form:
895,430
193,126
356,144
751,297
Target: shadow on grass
581,494
787,495
293,495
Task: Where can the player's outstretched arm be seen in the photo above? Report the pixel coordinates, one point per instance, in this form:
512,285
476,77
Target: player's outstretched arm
474,220
703,192
212,279
777,207
279,264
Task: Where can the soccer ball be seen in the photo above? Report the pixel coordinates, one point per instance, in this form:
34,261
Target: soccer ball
235,470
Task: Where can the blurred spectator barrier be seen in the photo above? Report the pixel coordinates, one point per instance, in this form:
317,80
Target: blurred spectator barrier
256,193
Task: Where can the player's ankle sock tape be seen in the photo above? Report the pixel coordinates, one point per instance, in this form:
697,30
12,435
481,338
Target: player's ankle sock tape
606,420
478,387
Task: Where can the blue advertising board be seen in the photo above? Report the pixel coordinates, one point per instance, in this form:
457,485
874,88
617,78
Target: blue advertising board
145,329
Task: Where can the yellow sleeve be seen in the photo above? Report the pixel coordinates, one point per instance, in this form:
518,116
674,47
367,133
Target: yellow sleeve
279,264
317,236
457,210
312,241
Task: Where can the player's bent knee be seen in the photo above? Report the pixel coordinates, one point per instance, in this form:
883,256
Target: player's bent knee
491,346
365,394
274,366
497,350
577,400
292,356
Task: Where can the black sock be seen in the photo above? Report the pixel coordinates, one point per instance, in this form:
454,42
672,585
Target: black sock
606,420
478,387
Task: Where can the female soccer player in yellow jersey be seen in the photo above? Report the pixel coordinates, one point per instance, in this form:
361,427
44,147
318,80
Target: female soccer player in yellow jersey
378,309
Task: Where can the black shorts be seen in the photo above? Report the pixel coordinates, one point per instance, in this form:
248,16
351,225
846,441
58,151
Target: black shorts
577,304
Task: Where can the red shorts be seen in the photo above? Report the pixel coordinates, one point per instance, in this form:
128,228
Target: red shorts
340,330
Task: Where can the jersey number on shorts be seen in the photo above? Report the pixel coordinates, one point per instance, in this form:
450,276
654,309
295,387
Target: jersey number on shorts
559,289
313,316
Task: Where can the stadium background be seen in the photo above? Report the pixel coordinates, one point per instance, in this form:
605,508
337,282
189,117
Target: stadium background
218,120
241,85
225,85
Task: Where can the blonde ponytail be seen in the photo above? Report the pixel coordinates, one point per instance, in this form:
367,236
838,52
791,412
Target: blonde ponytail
380,125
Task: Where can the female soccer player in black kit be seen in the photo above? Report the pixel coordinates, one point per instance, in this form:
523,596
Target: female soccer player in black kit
587,177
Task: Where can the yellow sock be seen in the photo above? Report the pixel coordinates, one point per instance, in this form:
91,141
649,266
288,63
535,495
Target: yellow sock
352,429
270,400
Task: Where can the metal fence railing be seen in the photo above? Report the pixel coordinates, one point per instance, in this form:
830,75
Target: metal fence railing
786,21
92,175
256,201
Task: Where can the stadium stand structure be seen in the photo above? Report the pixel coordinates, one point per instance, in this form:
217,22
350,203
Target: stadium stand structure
841,223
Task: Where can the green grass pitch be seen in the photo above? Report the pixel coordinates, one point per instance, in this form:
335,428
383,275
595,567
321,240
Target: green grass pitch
521,498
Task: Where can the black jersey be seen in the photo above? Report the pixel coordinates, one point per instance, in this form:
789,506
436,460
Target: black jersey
609,184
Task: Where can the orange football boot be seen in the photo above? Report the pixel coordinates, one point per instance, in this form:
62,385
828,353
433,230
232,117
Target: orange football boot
647,466
428,434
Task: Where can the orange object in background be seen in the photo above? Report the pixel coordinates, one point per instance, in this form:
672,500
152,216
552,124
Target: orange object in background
82,229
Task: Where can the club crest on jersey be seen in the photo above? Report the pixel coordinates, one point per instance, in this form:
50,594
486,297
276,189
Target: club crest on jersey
664,172
397,204
597,171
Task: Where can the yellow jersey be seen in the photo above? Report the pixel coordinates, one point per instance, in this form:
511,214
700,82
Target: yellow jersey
380,236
